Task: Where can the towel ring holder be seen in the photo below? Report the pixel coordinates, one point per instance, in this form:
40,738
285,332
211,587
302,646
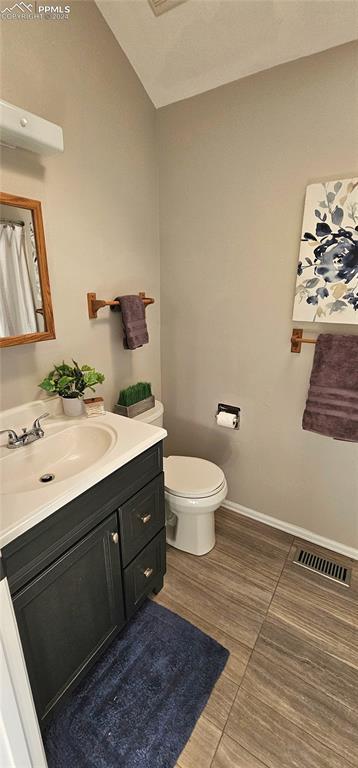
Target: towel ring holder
95,304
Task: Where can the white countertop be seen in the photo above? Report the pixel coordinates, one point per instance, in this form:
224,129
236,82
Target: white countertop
20,511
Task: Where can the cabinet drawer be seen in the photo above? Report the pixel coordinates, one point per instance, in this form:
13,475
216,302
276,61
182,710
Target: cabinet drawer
144,573
141,518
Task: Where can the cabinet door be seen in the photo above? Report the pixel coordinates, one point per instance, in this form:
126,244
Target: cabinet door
69,613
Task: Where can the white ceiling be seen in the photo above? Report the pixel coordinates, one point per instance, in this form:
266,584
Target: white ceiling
201,44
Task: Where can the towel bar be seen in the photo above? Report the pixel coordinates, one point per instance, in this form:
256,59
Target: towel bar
297,340
95,304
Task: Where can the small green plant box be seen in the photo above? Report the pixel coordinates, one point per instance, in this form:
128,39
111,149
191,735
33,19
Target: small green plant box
135,399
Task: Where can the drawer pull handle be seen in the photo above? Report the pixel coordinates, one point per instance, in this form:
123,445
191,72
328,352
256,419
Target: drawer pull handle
115,537
148,573
145,518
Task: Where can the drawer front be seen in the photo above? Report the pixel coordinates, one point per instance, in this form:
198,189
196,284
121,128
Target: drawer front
141,518
30,553
144,573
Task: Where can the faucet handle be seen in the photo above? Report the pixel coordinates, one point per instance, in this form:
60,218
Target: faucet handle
36,424
12,436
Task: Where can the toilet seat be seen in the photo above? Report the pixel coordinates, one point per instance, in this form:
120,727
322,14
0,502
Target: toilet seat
192,478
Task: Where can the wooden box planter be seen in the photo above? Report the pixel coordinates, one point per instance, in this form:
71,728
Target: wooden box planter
134,410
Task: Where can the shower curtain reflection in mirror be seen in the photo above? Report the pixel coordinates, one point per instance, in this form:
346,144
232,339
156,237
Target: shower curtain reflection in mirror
20,289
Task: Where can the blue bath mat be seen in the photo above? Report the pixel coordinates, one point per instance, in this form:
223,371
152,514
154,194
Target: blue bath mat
139,704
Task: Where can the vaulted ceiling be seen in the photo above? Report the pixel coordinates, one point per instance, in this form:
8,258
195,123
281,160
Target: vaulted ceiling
200,44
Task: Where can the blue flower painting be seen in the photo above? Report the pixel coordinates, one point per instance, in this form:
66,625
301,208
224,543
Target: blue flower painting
327,274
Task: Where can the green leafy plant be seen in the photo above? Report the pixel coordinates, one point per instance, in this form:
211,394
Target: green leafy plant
135,393
71,381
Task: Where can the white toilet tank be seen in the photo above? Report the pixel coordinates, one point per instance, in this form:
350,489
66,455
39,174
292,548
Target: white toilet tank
153,416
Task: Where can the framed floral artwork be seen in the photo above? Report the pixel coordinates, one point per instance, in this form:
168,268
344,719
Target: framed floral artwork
327,274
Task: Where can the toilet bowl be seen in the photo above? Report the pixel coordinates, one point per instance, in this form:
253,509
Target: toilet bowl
194,489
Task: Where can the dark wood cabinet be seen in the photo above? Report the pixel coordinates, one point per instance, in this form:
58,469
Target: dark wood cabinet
70,612
80,574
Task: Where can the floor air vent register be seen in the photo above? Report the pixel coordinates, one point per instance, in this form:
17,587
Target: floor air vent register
328,568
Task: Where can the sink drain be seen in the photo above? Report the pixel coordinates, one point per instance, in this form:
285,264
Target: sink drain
47,477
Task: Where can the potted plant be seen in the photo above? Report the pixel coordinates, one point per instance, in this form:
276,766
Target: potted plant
70,383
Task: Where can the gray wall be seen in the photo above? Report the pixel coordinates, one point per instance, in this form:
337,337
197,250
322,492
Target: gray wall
100,197
234,165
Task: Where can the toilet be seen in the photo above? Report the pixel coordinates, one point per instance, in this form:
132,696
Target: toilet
194,490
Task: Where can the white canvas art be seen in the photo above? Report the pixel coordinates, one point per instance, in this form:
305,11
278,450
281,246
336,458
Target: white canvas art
327,274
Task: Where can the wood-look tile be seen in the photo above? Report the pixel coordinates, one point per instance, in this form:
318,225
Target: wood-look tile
274,740
319,610
304,705
221,700
201,747
297,704
238,621
254,527
219,573
300,657
260,553
230,754
239,653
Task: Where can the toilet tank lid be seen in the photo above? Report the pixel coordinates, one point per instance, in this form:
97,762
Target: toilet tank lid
152,414
192,477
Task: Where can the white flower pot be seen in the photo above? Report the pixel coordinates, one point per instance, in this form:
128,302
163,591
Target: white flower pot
72,406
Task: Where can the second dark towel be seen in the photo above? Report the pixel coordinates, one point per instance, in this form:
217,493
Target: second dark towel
332,402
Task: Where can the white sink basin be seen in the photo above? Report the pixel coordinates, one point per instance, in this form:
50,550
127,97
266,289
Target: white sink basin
62,453
78,452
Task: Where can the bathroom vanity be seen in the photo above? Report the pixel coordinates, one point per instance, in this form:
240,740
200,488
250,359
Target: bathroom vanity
77,573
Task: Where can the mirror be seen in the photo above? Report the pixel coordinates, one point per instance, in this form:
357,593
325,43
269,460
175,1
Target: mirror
25,298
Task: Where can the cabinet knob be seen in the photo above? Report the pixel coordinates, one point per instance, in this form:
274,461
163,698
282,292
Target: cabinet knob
148,573
145,518
115,537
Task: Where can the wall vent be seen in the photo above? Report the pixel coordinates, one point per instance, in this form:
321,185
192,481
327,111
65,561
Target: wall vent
161,6
328,568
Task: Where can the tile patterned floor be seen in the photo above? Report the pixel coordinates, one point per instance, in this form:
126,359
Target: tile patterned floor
288,697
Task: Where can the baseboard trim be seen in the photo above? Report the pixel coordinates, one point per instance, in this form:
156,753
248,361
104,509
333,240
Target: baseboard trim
295,530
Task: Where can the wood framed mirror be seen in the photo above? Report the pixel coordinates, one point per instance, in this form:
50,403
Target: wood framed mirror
26,312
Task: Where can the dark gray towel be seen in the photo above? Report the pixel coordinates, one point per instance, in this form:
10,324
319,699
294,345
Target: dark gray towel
332,402
135,332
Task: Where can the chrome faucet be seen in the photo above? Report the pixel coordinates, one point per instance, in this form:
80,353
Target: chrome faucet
27,436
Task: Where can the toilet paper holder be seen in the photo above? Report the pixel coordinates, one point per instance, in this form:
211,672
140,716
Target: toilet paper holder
234,409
